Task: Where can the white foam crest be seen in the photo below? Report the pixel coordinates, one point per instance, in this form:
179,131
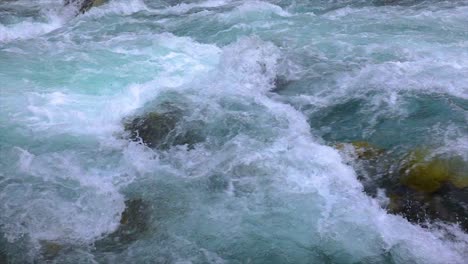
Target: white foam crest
253,10
341,12
419,72
432,12
418,75
250,63
455,142
348,211
120,7
322,171
448,14
141,158
184,8
29,29
420,58
66,204
101,115
261,7
85,114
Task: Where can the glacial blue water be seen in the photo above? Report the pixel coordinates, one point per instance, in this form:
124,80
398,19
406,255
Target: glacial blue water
270,87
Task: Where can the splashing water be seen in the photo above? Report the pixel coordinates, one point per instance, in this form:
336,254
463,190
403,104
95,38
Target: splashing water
263,88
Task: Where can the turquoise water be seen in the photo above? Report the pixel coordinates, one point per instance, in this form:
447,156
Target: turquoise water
268,87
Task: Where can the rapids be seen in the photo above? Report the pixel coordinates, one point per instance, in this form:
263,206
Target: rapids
263,89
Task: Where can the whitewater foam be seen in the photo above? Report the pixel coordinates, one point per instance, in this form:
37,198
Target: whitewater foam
258,180
29,29
296,164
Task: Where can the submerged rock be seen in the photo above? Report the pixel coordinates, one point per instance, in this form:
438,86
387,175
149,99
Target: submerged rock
369,162
84,5
134,222
361,149
50,250
152,128
134,219
163,130
3,257
280,84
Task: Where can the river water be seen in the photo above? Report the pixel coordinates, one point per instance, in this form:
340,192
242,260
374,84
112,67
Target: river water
269,87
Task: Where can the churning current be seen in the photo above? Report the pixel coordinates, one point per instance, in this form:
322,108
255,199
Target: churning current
217,131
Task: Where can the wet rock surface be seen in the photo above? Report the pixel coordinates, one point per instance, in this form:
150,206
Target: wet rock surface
432,187
134,222
423,174
161,130
50,250
448,205
363,150
420,186
152,128
84,5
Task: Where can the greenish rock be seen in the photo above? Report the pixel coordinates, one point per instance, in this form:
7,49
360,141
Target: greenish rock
430,187
458,168
422,187
425,177
460,182
424,173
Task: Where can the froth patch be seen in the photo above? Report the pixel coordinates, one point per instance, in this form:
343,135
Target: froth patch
255,9
249,65
417,75
183,8
54,199
119,7
28,29
179,61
